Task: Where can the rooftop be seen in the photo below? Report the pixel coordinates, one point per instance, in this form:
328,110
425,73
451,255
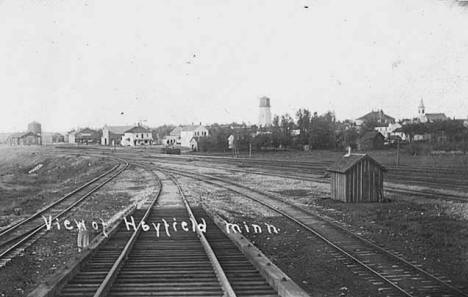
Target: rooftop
378,115
118,129
370,135
346,162
138,129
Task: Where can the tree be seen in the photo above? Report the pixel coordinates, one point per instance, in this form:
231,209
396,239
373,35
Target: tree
412,129
303,123
322,131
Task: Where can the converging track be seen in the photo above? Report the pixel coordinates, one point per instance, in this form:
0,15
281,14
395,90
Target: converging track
179,260
15,238
400,176
386,270
303,175
389,272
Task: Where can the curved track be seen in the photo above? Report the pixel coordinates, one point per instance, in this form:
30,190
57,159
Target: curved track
141,262
391,273
294,174
22,234
427,176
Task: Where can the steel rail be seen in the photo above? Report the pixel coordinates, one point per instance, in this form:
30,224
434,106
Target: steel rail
435,278
105,286
320,166
47,207
294,162
28,235
225,284
389,189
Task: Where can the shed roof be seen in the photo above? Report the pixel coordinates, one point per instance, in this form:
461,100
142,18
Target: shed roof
87,130
118,129
192,127
187,128
347,162
176,131
22,134
378,115
435,117
370,135
138,129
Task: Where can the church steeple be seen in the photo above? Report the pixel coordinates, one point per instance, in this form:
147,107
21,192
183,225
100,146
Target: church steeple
421,109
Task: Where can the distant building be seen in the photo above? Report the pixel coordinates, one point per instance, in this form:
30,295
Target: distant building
231,140
376,117
112,135
264,117
391,131
70,136
194,144
24,138
137,136
4,137
422,137
156,137
35,127
31,137
170,140
371,140
424,117
84,136
357,178
183,135
50,138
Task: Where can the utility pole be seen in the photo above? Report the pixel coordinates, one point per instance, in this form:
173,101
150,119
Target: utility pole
398,152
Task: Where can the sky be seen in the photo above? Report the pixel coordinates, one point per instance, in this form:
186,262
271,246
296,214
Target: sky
78,63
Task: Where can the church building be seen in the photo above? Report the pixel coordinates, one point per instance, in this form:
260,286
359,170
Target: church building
424,117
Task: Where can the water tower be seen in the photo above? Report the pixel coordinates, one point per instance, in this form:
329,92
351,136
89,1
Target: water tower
264,118
35,127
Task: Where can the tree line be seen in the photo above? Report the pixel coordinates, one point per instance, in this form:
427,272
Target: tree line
304,129
310,130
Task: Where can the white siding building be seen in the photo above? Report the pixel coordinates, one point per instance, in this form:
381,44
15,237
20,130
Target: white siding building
137,136
112,135
390,131
184,134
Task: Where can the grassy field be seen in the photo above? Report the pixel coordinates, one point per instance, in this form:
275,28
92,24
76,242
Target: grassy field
22,192
387,157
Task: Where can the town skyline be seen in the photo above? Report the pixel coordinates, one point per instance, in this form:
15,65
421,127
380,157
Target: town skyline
77,65
147,123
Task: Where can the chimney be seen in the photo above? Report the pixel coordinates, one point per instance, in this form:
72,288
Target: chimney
349,151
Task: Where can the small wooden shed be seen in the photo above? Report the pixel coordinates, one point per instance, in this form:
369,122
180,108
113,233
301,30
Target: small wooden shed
357,178
372,140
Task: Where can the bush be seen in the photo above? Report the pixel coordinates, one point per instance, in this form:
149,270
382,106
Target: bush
418,149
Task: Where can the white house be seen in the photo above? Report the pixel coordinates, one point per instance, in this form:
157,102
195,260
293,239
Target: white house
231,140
112,135
194,144
137,135
389,131
184,134
170,140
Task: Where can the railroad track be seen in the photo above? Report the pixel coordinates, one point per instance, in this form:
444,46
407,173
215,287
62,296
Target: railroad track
435,178
392,189
389,272
17,237
186,262
408,175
